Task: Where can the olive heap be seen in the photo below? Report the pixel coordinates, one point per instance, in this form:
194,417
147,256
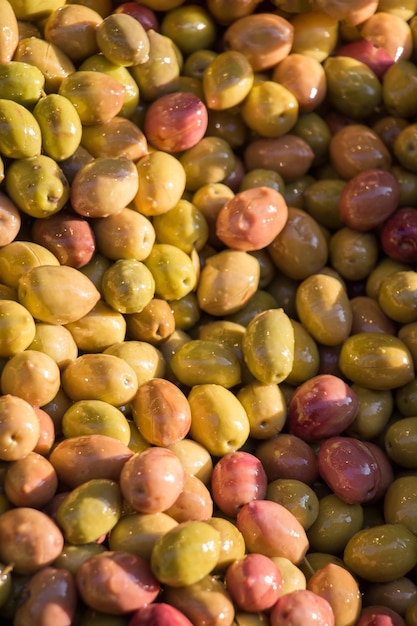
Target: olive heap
208,313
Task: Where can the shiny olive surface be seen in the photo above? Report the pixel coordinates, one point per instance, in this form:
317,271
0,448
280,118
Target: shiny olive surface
208,317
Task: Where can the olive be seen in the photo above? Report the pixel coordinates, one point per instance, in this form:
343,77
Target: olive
201,362
348,81
9,24
268,346
218,420
137,532
106,377
300,248
60,126
89,510
87,417
159,74
37,185
123,40
128,285
30,540
177,557
53,62
73,29
336,522
21,82
391,544
400,440
376,360
191,28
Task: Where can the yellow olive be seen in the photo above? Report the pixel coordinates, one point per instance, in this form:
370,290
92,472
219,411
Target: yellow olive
324,309
268,346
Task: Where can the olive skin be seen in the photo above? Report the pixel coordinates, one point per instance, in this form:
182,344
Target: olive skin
51,595
37,185
78,516
324,309
399,502
95,582
391,544
79,459
270,529
350,469
400,441
33,529
376,360
272,361
180,567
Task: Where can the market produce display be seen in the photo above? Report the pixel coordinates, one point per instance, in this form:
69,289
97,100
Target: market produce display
208,313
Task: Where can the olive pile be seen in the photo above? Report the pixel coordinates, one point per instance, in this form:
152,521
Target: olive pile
208,313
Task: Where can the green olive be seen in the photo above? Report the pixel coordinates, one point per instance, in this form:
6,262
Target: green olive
270,109
186,311
183,226
227,80
353,87
21,82
72,556
376,360
297,497
383,269
306,356
98,329
128,286
89,511
321,202
19,256
186,553
268,346
211,160
191,28
232,544
88,417
37,185
146,360
172,270
335,524
399,502
375,409
396,296
138,532
399,88
300,249
406,399
382,553
203,362
160,73
404,147
96,96
60,126
353,254
401,441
